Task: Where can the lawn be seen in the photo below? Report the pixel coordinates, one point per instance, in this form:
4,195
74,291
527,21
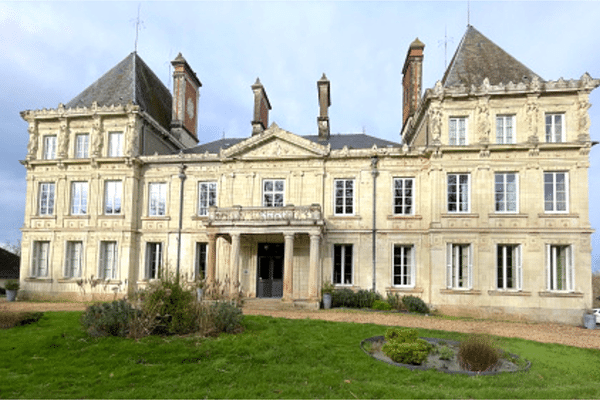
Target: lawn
273,358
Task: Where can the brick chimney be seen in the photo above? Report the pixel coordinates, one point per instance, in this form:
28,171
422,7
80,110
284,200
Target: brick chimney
412,79
186,92
324,88
262,106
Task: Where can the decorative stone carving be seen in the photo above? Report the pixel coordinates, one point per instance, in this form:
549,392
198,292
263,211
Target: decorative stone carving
288,214
133,134
583,118
483,120
97,136
435,120
535,84
438,90
531,112
32,147
63,139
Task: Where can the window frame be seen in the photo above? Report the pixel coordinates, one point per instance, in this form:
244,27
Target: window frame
554,193
402,198
501,130
108,247
82,150
205,203
550,127
505,193
40,266
115,147
154,260
552,278
117,196
201,260
455,139
273,193
459,201
49,147
157,199
49,196
346,209
407,273
79,207
346,248
73,259
455,252
516,255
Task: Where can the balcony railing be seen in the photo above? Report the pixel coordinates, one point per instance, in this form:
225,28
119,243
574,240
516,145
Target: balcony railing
265,215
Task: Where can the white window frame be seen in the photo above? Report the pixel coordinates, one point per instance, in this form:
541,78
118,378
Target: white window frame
503,267
82,145
79,198
273,193
115,144
457,134
555,133
553,281
46,198
462,198
157,199
113,197
205,200
73,259
201,263
108,260
456,253
503,190
341,195
49,147
40,259
345,248
505,129
403,265
154,260
551,193
404,196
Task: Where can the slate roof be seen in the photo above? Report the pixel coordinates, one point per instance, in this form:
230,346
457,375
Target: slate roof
9,265
477,58
131,80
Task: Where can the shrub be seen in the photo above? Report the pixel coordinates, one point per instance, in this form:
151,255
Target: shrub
415,304
343,298
407,353
226,317
478,353
12,285
445,352
366,298
394,300
401,335
109,319
381,305
9,319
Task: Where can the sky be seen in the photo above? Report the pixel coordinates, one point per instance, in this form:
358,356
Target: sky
51,51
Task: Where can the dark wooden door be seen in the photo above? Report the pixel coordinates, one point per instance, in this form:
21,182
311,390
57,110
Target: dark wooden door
270,270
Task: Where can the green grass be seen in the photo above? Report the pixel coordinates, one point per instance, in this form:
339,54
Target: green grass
273,358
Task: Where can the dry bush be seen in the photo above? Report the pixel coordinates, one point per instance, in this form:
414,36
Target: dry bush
10,319
596,289
478,353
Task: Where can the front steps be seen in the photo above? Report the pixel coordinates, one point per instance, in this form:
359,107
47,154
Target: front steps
278,304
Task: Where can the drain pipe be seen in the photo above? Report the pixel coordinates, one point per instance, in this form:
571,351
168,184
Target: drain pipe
374,173
182,176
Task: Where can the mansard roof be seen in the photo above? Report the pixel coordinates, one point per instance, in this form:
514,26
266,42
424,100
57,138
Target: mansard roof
133,81
477,58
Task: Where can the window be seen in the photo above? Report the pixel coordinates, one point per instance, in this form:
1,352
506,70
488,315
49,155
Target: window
273,190
458,193
344,196
73,259
79,197
49,147
157,199
459,268
506,191
112,197
201,260
39,262
46,205
505,129
108,260
207,192
403,196
556,188
404,266
559,266
342,264
82,145
508,266
457,131
115,144
153,260
555,128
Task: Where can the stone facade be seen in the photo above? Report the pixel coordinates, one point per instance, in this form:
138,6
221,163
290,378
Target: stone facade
481,210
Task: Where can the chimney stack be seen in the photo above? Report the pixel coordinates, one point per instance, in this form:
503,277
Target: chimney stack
324,88
186,92
261,108
412,79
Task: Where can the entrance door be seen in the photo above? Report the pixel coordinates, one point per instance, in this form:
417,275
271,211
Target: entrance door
270,270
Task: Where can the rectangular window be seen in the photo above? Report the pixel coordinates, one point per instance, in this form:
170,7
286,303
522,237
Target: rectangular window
82,145
79,198
40,259
505,129
207,192
273,192
459,266
112,197
508,267
556,190
49,147
115,144
201,260
559,266
457,131
342,264
458,193
506,192
404,266
153,260
46,204
344,196
555,128
73,259
403,196
108,260
157,199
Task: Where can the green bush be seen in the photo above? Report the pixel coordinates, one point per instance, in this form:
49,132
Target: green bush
394,300
415,304
404,346
366,298
109,319
226,317
445,352
381,305
401,335
343,298
12,285
478,353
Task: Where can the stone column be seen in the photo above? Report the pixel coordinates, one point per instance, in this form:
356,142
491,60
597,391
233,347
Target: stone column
211,258
314,285
234,259
288,267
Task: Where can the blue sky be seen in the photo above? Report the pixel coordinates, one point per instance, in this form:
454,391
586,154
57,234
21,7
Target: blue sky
51,51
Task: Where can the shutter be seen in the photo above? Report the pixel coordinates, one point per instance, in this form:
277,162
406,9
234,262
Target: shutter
570,269
67,266
449,266
102,261
519,268
413,266
548,267
470,268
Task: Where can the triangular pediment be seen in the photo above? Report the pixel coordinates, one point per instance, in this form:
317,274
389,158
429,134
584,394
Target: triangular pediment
275,143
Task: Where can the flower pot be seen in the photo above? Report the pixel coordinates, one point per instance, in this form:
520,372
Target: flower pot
326,301
11,295
199,292
589,321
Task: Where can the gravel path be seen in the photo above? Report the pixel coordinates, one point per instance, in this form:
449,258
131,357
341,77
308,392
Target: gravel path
540,332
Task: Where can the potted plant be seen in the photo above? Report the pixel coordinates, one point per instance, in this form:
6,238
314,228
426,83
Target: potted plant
12,287
327,290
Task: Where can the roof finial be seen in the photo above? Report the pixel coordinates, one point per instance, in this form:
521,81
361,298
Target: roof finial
468,12
138,24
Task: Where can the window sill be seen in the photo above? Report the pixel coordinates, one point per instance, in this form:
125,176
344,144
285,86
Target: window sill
340,286
507,215
508,292
156,218
44,217
68,280
38,280
345,216
558,215
461,291
104,216
78,216
460,215
560,294
402,289
404,216
200,218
